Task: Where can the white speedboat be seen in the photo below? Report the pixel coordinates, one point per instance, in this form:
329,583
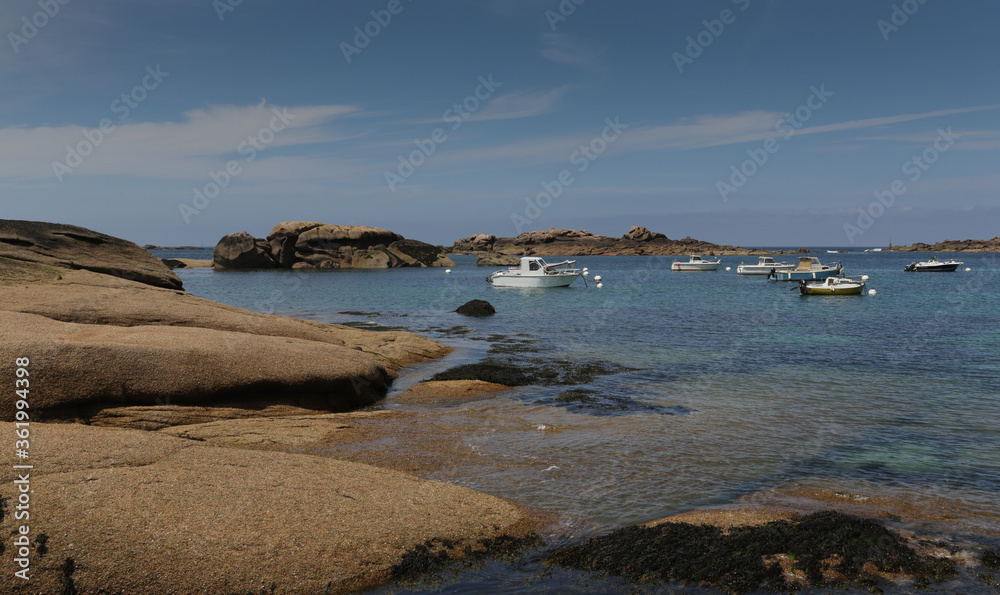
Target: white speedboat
695,263
809,269
765,266
933,266
535,272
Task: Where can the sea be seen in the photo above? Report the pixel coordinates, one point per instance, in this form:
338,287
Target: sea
712,389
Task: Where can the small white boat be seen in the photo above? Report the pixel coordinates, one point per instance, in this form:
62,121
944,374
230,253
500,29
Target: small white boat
809,269
695,263
535,272
832,286
765,266
933,266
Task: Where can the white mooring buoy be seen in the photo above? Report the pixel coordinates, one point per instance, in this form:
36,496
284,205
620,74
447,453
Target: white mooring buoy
447,271
865,277
967,269
600,285
597,278
729,268
872,292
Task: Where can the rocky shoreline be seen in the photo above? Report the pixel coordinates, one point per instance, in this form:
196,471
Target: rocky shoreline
183,445
992,245
107,337
639,241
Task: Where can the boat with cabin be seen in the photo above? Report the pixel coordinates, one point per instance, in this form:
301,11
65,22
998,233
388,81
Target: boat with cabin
535,272
765,266
933,266
832,286
695,263
808,269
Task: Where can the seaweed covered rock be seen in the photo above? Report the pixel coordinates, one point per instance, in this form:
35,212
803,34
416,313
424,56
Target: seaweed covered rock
476,308
830,548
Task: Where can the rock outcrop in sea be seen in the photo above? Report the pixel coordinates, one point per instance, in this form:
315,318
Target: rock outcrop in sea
992,245
312,245
573,242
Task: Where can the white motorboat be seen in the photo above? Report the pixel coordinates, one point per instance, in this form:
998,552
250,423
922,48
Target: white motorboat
695,263
832,286
933,266
765,266
535,272
810,269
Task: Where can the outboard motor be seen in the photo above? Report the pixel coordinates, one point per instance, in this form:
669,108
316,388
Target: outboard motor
910,267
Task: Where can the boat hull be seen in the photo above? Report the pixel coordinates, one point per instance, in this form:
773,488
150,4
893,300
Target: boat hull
754,269
543,281
683,267
842,289
935,268
806,275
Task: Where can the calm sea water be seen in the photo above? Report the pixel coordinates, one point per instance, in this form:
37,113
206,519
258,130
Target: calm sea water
734,385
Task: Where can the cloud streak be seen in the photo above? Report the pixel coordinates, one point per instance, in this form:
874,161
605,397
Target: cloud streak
200,140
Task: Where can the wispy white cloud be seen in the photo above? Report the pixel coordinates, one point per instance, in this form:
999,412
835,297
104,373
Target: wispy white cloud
567,51
698,132
971,140
202,139
520,105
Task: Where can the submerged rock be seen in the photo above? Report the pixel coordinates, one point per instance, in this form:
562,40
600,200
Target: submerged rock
477,308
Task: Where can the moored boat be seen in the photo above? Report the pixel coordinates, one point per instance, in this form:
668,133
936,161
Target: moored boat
765,266
808,269
933,266
832,286
695,263
535,272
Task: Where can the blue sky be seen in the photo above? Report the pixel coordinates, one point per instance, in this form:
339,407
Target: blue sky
751,122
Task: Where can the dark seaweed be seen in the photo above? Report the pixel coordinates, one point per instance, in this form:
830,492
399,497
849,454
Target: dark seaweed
435,553
735,562
536,371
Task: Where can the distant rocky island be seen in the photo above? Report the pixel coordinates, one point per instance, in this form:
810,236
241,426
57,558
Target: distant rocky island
571,242
312,245
953,246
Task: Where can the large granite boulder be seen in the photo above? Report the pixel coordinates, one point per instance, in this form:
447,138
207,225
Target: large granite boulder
243,251
414,253
551,235
150,365
329,239
478,243
641,234
143,512
313,245
157,346
72,247
497,259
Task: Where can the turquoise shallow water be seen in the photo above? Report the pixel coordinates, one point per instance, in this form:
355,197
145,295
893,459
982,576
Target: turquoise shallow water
735,386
